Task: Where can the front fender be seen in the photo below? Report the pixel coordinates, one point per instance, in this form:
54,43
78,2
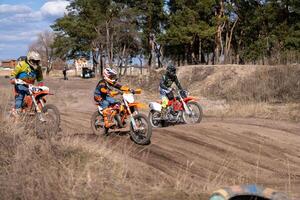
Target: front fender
187,99
137,105
155,106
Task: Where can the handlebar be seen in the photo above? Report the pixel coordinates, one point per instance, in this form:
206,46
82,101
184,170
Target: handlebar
137,91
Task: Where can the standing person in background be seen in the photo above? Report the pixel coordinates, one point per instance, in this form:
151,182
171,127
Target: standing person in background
65,73
155,52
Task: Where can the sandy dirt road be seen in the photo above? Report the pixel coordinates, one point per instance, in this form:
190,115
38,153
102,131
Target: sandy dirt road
215,153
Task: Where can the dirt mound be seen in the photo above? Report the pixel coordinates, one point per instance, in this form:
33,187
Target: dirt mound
265,84
244,83
149,83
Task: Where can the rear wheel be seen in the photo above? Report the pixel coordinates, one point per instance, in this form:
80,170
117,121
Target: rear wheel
196,113
97,124
143,133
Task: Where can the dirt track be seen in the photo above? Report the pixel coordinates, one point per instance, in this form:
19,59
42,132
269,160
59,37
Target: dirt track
209,155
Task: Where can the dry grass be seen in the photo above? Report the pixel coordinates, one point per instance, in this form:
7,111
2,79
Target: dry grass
285,111
233,83
76,168
264,84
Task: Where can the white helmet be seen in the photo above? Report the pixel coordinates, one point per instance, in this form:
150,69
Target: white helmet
33,58
110,75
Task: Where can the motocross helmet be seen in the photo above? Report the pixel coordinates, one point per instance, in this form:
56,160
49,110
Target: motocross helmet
33,59
110,75
171,70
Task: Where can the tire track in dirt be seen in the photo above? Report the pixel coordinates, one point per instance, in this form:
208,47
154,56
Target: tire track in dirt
208,155
214,154
227,155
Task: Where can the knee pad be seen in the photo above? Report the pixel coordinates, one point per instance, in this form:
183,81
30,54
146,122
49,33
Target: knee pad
165,102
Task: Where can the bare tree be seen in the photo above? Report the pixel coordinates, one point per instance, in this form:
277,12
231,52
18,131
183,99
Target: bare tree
43,45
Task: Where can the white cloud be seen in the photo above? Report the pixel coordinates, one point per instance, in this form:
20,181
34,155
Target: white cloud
22,18
23,14
54,8
7,8
19,36
28,17
19,25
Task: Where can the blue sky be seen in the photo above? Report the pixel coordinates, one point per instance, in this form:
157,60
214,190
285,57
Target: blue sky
21,21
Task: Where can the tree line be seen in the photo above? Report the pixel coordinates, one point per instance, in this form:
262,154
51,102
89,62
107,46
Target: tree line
187,31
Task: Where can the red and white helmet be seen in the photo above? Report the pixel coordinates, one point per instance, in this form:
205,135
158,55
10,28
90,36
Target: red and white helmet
110,75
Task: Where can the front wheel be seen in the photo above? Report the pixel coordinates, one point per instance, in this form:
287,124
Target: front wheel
97,124
155,119
52,117
47,122
195,115
142,134
52,110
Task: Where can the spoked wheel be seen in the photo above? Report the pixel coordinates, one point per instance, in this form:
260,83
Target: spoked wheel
144,130
155,119
195,115
52,110
47,122
97,124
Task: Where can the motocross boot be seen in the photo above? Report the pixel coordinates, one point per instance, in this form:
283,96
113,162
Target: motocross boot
16,114
106,117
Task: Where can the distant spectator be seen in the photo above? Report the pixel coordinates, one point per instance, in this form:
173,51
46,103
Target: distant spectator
65,73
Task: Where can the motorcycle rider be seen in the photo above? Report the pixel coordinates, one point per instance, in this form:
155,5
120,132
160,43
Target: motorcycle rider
28,71
103,93
165,88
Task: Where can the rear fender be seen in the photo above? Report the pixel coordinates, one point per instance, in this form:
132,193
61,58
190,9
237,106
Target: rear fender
155,106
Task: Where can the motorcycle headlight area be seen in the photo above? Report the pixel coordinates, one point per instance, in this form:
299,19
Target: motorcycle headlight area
129,97
184,93
44,88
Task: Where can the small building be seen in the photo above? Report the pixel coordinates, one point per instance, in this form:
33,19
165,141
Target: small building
82,66
9,63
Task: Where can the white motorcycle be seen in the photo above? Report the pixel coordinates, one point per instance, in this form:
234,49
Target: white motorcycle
181,109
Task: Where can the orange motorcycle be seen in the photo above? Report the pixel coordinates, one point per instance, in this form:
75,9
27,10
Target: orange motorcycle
124,114
35,112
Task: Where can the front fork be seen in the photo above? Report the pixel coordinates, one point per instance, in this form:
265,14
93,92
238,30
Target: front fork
38,110
131,117
186,108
